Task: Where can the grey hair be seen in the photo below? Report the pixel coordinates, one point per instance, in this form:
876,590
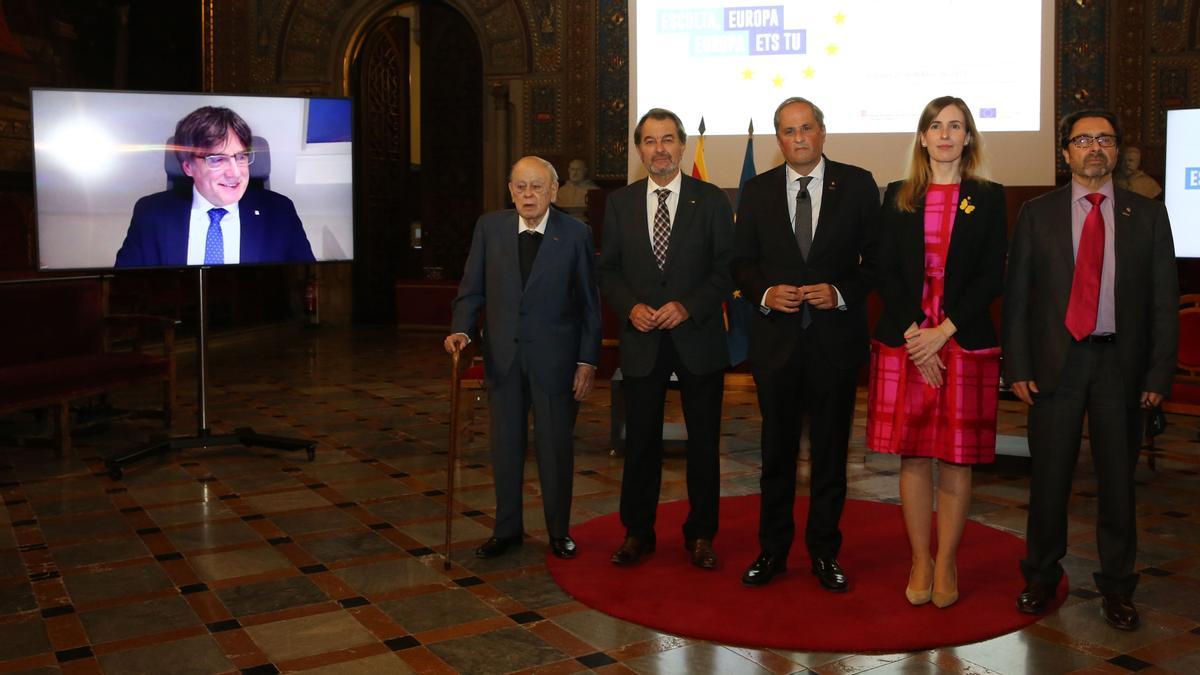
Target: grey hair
547,165
798,99
659,114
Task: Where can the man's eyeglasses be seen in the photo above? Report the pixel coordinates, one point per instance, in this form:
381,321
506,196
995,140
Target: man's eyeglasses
536,188
1083,142
221,161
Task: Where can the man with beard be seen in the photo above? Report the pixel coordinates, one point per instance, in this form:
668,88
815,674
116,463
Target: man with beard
1090,327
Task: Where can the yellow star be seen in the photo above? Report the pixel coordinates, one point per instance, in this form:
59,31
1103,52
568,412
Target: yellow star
831,49
778,80
747,74
809,72
839,18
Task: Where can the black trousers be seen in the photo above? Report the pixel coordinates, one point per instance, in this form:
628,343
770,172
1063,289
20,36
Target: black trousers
510,398
645,399
806,383
1091,384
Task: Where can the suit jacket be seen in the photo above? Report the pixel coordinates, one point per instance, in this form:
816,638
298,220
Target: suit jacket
843,253
554,321
158,230
974,265
1041,265
696,274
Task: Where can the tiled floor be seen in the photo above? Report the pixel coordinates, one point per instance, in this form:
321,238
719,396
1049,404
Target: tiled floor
254,560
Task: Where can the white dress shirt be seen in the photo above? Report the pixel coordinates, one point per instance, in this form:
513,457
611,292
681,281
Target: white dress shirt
231,231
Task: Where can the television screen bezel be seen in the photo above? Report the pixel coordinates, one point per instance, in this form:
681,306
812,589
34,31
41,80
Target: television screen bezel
112,268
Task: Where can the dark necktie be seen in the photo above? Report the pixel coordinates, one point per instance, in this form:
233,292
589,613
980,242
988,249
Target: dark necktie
214,243
1085,285
804,234
803,221
662,228
530,241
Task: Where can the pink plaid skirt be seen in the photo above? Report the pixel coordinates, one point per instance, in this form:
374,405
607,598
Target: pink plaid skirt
955,423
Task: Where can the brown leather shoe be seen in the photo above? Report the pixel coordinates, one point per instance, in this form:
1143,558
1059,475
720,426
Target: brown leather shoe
702,554
632,550
1119,612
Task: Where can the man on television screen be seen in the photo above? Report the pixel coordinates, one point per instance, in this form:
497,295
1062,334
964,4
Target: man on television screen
221,221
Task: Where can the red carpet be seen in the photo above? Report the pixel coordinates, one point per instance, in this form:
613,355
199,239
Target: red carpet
665,593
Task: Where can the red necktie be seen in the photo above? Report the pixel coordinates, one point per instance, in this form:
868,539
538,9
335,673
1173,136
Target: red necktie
1085,286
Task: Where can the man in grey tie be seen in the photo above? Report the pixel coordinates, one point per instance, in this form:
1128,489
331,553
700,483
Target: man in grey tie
805,251
664,269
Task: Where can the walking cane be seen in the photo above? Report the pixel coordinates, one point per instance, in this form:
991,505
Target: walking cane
452,455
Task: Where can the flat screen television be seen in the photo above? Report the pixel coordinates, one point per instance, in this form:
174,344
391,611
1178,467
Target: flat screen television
1182,180
115,188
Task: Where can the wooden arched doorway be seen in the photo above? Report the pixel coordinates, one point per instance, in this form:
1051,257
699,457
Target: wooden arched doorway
417,78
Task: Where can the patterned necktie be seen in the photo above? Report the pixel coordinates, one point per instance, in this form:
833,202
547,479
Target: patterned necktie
214,243
803,222
662,228
1085,285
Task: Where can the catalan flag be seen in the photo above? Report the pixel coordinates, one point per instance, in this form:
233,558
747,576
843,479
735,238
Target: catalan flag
699,170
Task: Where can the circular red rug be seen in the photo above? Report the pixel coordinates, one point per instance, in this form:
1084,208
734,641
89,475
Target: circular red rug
666,593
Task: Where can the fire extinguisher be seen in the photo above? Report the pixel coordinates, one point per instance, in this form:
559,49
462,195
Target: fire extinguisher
310,300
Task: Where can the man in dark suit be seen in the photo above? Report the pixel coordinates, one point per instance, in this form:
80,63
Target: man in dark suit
532,269
664,268
1090,326
805,251
220,221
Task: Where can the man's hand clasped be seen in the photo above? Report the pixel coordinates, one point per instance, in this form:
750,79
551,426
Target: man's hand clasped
787,298
666,317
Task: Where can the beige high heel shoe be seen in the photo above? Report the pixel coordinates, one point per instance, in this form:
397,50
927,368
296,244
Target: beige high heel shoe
919,596
944,600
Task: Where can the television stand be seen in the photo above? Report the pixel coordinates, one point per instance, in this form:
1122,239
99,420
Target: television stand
204,438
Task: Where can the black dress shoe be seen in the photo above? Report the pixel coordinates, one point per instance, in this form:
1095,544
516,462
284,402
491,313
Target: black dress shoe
563,547
830,574
1035,597
764,568
1119,612
496,546
702,554
631,551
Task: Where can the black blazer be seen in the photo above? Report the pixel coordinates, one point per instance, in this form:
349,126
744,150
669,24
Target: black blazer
158,230
1041,264
696,274
553,320
974,265
844,253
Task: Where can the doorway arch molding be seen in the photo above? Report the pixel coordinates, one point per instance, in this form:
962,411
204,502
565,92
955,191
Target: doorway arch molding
318,38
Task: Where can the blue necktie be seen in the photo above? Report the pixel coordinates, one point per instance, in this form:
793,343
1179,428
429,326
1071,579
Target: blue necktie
214,244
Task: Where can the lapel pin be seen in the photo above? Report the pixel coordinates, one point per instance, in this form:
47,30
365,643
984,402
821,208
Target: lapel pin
1127,211
832,185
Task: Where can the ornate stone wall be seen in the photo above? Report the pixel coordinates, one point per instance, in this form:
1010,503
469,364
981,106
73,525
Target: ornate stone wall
567,62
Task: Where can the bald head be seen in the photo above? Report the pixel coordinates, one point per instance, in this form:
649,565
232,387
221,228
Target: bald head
533,184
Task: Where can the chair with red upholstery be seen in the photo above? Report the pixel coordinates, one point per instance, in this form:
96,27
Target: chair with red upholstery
1185,390
56,347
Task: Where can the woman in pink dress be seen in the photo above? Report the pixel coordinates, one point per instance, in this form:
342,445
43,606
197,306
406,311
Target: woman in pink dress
935,359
